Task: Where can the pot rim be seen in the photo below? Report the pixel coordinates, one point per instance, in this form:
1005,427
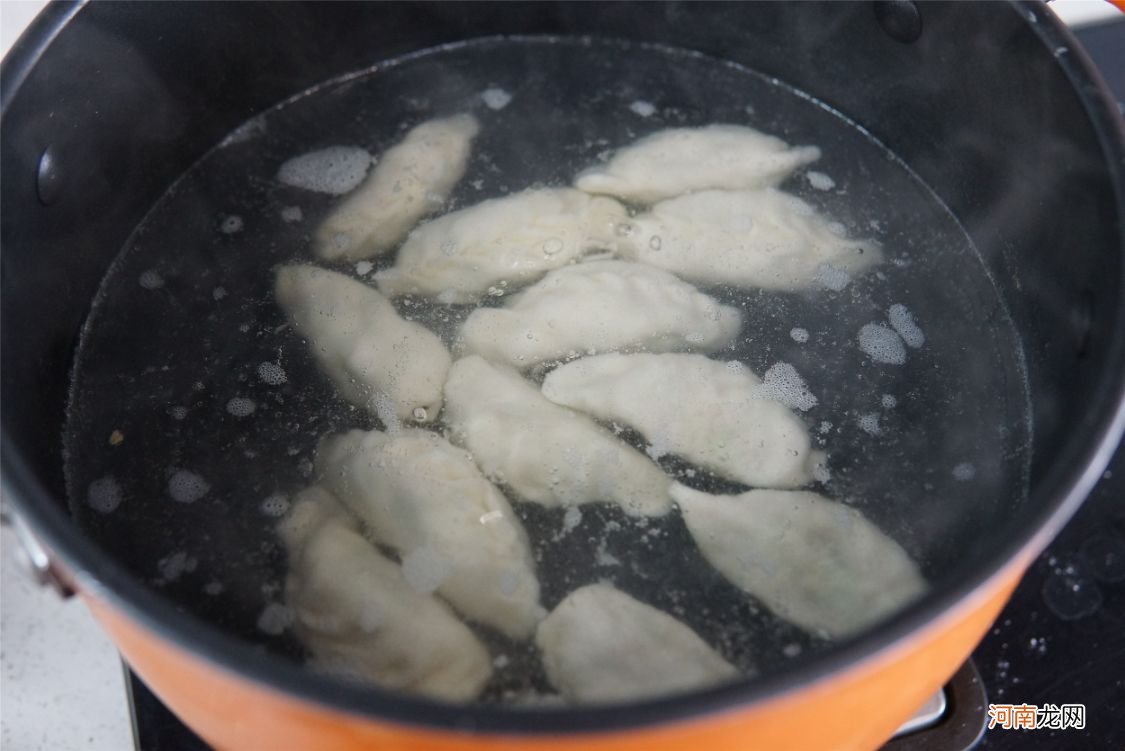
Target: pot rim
1073,475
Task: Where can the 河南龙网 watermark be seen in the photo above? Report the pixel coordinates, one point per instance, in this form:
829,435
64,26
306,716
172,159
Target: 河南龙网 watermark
1037,716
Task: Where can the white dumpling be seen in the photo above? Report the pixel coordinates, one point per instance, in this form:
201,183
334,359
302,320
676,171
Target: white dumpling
601,645
683,160
599,306
377,360
548,454
816,563
502,244
453,530
713,414
410,180
755,238
355,612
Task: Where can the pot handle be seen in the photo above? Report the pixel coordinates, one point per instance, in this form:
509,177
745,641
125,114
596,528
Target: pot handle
33,557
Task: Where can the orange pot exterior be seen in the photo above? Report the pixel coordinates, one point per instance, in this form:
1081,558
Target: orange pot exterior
857,708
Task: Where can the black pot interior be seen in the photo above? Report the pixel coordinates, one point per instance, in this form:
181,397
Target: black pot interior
982,105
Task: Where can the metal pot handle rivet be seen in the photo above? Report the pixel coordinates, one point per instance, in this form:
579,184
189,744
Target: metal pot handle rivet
900,19
33,558
48,178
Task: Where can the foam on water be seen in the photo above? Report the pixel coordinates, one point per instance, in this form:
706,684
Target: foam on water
231,225
186,486
819,180
274,619
496,98
176,565
643,108
902,321
882,344
335,170
869,423
151,279
964,471
276,505
272,374
799,335
104,495
240,406
782,383
831,277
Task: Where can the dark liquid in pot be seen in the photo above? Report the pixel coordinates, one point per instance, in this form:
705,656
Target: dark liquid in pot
171,359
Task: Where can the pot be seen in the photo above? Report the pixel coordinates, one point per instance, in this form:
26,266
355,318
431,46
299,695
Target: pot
992,105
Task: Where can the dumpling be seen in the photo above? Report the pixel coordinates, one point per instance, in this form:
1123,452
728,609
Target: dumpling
601,645
817,563
357,615
548,454
454,531
377,360
713,414
599,306
683,160
756,238
509,241
410,180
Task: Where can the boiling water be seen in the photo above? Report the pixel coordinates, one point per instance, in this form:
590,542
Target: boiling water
196,409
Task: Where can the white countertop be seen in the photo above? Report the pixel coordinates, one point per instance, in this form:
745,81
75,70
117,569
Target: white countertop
62,686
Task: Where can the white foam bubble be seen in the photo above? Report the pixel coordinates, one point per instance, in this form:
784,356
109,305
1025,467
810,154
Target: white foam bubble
275,505
176,565
882,344
274,619
104,495
151,279
571,519
782,383
831,277
889,401
799,335
219,293
240,406
819,180
231,224
425,569
824,427
964,471
869,423
213,588
902,321
335,170
272,374
495,98
603,557
187,487
363,268
177,412
292,214
643,108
